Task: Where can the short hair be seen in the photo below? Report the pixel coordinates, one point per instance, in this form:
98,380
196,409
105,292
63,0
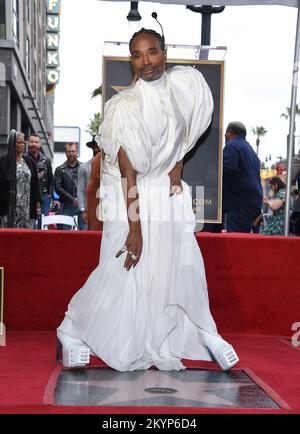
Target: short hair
279,184
34,135
237,128
19,133
161,39
71,144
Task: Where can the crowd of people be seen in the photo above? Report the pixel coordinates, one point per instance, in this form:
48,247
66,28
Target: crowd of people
29,189
32,190
247,206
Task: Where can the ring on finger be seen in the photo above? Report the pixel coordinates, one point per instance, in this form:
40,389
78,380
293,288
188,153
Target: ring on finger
134,257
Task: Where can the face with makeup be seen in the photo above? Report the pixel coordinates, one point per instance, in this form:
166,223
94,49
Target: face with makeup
20,143
147,57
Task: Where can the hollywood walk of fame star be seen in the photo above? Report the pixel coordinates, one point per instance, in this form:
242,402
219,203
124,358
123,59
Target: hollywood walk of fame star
129,388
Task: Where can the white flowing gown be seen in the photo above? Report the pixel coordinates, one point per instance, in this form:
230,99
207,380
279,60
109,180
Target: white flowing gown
154,314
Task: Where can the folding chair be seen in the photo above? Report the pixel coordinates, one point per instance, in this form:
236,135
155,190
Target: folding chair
61,220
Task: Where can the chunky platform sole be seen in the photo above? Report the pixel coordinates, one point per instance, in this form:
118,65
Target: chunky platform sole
226,358
71,354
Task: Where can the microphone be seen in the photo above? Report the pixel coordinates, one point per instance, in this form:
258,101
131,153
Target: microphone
154,15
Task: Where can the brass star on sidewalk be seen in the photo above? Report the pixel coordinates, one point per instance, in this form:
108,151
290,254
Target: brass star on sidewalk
193,388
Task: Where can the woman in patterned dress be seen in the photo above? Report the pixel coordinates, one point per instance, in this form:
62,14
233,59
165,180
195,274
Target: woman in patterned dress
275,223
24,199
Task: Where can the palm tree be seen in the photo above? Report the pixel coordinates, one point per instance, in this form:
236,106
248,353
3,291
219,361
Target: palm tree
287,113
97,91
259,132
94,124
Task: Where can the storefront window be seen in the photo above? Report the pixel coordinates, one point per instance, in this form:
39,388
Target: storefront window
35,18
28,10
16,21
2,20
28,54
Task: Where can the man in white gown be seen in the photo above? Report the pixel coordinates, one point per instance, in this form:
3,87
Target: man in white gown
152,309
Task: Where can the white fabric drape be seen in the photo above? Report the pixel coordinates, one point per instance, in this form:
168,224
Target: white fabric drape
156,313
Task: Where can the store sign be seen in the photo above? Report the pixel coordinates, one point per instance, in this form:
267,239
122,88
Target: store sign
53,7
52,41
53,23
52,59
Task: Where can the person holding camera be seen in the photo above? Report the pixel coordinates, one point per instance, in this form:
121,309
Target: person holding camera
44,173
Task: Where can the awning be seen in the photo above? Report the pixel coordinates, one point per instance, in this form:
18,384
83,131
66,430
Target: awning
224,3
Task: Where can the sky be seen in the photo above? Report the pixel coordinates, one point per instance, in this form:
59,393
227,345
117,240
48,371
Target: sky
260,44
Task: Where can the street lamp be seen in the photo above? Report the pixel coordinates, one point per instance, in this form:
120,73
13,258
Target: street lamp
134,14
134,17
206,12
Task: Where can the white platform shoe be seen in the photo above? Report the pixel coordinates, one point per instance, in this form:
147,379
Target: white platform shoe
221,351
227,358
73,351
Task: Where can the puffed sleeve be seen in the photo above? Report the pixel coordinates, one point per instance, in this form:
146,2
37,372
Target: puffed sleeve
196,103
124,126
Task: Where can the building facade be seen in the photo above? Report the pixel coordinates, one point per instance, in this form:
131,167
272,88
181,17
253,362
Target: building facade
26,96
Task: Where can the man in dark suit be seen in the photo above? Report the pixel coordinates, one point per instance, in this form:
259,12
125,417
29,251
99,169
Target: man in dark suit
242,189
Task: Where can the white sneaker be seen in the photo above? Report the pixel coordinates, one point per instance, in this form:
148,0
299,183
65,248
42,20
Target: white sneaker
74,352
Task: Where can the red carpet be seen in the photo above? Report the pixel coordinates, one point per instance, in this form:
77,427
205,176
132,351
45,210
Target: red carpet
254,288
28,362
253,280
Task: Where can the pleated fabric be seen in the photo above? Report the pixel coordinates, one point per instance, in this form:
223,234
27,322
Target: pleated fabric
154,314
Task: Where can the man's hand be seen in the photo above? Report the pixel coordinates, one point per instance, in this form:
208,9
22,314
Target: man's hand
41,174
134,241
175,179
84,216
75,203
133,246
